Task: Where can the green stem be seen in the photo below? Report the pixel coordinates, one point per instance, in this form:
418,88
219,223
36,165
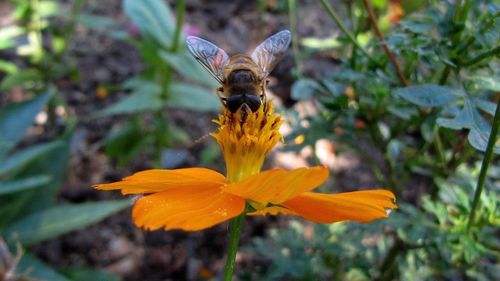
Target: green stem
35,34
465,12
344,29
488,155
292,17
180,11
444,75
439,148
164,75
482,56
235,231
76,10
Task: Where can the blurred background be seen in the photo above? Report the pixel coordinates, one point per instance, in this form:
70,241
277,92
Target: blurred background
388,94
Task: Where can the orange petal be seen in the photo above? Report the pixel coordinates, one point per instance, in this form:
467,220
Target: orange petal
359,206
278,185
158,180
186,208
273,211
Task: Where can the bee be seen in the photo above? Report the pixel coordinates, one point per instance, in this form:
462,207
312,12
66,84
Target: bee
243,78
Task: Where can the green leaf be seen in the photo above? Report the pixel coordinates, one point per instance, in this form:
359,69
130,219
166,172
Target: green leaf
394,151
124,143
23,184
469,118
428,95
95,22
404,112
192,97
23,157
485,105
491,83
184,63
53,163
84,274
8,35
305,88
153,18
35,268
61,219
144,98
15,119
20,78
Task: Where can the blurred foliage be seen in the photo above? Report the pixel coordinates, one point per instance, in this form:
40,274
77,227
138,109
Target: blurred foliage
30,179
434,125
34,57
436,128
159,38
426,243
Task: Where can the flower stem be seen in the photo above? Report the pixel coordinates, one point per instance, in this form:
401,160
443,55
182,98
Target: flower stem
292,16
488,155
235,231
349,35
180,11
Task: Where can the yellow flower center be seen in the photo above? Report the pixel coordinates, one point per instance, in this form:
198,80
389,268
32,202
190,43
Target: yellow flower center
245,139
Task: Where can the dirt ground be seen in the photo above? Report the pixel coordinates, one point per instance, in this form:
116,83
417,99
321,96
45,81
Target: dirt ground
116,244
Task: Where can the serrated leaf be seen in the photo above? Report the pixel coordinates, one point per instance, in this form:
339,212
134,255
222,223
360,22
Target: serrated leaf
469,118
36,268
15,119
479,140
61,219
153,18
23,184
485,105
428,95
192,97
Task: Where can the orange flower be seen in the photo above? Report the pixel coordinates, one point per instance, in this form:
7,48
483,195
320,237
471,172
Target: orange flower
193,199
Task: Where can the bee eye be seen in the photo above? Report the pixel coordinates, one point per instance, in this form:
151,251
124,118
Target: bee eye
267,81
220,89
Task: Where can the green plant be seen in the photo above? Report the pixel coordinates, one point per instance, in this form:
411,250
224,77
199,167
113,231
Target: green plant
432,242
424,93
30,178
157,88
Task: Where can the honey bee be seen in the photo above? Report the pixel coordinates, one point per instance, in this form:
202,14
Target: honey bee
243,78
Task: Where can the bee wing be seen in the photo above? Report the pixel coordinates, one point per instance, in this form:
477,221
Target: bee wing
269,52
207,54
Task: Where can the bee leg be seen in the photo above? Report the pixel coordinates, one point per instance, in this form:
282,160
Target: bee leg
263,97
244,110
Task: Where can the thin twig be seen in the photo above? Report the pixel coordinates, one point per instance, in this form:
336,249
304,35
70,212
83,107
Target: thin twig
380,36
